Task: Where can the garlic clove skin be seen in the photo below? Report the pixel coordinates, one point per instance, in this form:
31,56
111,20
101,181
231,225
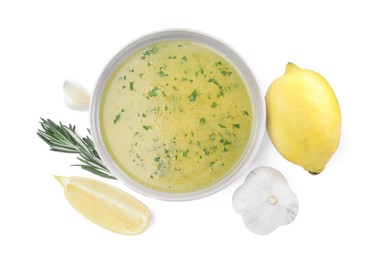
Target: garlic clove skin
265,201
75,95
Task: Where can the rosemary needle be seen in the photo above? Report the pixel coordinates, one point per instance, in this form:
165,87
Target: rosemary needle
62,138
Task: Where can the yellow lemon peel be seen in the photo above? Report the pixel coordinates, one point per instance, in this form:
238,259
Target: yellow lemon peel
303,118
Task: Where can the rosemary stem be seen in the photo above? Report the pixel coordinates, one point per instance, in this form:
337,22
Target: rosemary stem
62,138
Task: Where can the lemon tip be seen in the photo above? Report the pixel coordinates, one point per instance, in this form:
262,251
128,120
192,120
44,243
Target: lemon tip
291,67
62,180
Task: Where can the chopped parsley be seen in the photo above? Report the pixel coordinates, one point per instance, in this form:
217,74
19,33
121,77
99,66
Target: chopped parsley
225,142
147,127
149,52
153,92
193,95
225,72
162,73
117,118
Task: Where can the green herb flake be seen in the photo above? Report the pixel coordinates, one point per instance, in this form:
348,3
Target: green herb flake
122,77
184,153
225,142
214,81
202,121
117,118
149,52
184,58
214,104
147,127
131,85
245,113
222,126
144,115
211,164
193,96
220,94
236,126
156,159
162,73
153,92
225,72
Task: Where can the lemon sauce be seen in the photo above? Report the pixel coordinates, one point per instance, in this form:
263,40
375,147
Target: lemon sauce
176,116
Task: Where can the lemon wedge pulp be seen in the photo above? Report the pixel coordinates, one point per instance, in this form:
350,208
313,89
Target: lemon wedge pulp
105,205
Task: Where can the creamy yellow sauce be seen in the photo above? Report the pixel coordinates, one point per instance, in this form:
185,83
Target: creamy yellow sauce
176,116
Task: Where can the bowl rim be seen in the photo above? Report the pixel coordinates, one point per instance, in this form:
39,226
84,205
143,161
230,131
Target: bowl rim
258,110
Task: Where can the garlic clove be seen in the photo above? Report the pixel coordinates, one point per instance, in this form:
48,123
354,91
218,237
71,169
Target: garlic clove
75,95
265,201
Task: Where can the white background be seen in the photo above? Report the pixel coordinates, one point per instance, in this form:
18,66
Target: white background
45,42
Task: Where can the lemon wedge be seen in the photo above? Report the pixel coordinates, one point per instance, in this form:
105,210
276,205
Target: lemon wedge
105,205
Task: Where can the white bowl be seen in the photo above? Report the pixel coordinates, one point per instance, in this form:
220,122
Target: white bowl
258,109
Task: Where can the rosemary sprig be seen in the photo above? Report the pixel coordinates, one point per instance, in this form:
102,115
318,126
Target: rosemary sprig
62,138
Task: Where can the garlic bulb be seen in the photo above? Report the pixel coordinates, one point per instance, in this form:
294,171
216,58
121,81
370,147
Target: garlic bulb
265,201
75,96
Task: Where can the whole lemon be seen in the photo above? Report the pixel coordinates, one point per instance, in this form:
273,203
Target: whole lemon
303,118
